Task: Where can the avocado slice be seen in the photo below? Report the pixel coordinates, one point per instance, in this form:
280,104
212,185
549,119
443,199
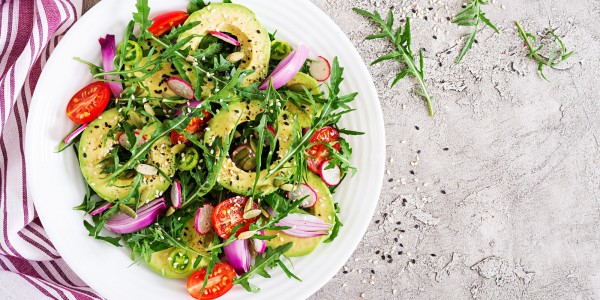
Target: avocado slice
297,84
230,176
95,145
159,261
323,209
240,22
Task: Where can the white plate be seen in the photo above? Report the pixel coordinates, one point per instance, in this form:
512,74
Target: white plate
56,184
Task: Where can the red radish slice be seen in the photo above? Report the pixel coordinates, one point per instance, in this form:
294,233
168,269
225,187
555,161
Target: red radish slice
102,208
124,141
181,87
176,194
320,69
224,37
306,192
202,222
331,176
259,245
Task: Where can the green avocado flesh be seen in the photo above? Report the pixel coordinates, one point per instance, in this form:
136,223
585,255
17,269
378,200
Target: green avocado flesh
159,261
231,176
240,22
297,84
94,147
323,209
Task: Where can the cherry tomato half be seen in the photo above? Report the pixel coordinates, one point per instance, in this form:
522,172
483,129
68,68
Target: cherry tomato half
229,214
318,153
163,23
220,281
194,126
87,104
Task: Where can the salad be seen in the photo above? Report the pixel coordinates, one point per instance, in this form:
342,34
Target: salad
210,147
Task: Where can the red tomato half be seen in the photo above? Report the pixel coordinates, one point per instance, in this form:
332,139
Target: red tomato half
220,281
163,23
87,104
194,126
317,154
229,214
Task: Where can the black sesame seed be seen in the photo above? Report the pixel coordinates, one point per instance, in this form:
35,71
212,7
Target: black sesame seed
400,252
430,8
414,11
383,257
433,255
377,252
413,261
389,256
377,221
390,260
446,149
416,127
440,64
443,192
402,20
385,215
96,126
401,245
84,154
345,272
402,230
398,223
372,271
258,31
425,17
418,151
404,200
435,37
412,172
416,226
448,18
448,52
476,42
396,240
391,179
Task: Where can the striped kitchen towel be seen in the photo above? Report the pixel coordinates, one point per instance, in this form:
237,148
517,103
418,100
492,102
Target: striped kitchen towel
30,267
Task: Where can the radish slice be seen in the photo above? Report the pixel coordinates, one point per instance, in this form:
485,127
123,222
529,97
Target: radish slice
320,69
124,141
176,194
191,104
287,68
306,192
181,87
224,37
102,208
331,176
259,245
146,215
203,217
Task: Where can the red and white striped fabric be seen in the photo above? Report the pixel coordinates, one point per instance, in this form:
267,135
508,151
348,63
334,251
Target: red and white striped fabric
30,267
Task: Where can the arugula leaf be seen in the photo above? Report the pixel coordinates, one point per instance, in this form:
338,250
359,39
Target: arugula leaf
269,259
92,231
401,39
141,17
470,16
196,5
557,55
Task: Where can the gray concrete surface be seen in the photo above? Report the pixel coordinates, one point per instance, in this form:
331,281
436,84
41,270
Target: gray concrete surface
510,210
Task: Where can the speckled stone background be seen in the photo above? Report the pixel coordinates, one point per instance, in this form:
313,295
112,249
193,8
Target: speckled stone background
497,196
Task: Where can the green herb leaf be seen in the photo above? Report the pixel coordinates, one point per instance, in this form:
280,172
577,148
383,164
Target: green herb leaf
470,16
269,259
141,17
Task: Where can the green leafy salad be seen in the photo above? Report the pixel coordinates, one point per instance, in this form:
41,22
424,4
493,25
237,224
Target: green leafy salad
210,147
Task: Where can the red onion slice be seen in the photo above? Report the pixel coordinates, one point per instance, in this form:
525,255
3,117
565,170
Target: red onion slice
181,87
69,138
176,198
102,208
304,225
224,37
259,245
146,215
238,255
306,192
108,49
202,221
287,68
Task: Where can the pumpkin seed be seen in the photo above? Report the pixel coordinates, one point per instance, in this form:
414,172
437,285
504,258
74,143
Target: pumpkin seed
146,169
235,57
178,148
127,210
246,235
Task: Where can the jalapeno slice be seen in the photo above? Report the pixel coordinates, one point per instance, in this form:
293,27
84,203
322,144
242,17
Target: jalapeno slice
189,159
179,261
280,49
133,53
